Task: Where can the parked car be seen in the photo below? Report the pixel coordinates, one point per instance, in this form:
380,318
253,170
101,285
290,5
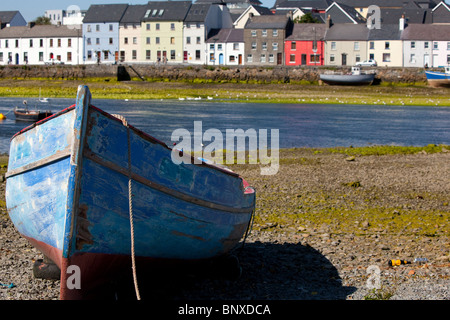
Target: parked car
53,61
369,63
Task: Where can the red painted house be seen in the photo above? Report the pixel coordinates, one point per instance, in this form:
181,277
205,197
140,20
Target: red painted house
305,45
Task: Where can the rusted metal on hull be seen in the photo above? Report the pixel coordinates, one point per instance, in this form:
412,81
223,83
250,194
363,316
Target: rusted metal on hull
183,212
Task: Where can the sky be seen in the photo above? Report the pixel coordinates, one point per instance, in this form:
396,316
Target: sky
31,9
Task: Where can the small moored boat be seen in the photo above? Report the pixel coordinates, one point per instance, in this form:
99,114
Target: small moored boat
24,114
439,79
355,78
90,191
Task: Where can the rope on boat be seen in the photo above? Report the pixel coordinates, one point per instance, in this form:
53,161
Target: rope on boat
130,205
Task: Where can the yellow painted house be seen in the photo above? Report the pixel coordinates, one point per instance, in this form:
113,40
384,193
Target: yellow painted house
162,31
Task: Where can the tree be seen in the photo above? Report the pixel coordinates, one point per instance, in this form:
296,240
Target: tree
306,18
42,20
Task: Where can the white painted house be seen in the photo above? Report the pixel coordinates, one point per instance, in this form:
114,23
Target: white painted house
226,47
40,44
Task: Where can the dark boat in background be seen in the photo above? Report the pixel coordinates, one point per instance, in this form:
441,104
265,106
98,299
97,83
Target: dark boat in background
23,114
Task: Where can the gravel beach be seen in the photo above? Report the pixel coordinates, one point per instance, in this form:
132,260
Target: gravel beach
325,227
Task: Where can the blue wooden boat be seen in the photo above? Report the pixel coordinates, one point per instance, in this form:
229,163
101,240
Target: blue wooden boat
439,79
90,191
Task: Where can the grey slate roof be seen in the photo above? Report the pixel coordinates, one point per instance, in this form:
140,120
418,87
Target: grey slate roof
134,14
347,32
308,31
105,13
427,32
198,12
387,32
7,16
267,22
225,35
39,31
341,13
418,15
167,10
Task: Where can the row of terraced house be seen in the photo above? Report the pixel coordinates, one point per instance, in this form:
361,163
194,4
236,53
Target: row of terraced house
395,33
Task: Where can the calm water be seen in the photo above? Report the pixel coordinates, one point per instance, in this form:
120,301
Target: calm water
299,125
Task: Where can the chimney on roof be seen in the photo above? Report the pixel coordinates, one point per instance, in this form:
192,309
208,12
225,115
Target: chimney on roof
329,23
31,24
401,25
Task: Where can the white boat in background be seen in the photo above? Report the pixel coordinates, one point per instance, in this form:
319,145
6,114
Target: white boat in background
355,78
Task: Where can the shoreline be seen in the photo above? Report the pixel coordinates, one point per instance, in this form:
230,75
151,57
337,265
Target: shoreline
109,88
321,222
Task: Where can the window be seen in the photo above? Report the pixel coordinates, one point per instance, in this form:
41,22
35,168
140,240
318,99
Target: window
134,54
275,46
232,59
264,33
211,57
88,41
413,44
172,26
235,46
59,43
89,28
198,40
111,41
357,58
249,58
315,58
332,58
371,45
275,32
41,56
253,45
89,55
263,58
135,40
412,58
253,33
17,43
271,58
6,44
292,58
148,26
172,54
111,27
147,40
448,59
197,54
172,40
51,42
97,28
333,45
106,54
386,57
157,40
41,43
97,41
147,55
157,26
425,44
69,43
125,40
448,45
31,43
435,45
219,47
264,45
211,46
161,12
356,46
188,40
386,45
293,46
69,56
188,25
1,56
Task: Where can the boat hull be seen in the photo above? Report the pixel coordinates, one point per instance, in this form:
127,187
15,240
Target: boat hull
68,193
31,116
350,80
438,79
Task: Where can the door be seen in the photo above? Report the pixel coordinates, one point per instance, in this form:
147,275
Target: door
303,59
344,59
221,58
17,58
426,60
435,60
185,56
116,56
240,59
279,58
